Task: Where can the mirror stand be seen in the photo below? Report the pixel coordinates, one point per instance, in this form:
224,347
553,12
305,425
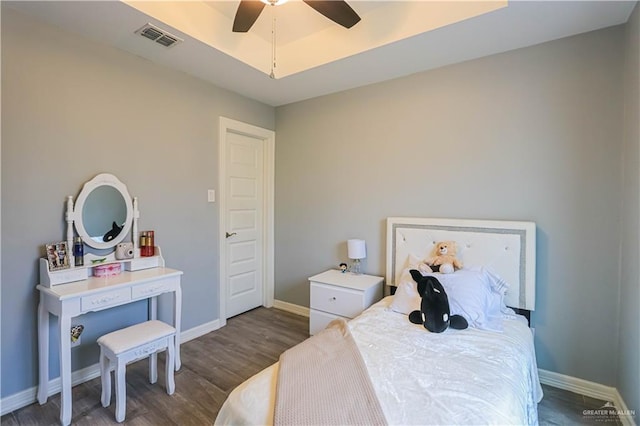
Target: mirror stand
135,238
71,215
103,215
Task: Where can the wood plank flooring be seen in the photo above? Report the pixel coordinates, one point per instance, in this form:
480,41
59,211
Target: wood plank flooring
214,364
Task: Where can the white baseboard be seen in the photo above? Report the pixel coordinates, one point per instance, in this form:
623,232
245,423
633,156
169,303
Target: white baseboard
575,385
587,388
200,330
627,420
290,307
29,396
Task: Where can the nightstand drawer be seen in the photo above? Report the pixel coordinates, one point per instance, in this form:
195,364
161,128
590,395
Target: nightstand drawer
319,320
336,300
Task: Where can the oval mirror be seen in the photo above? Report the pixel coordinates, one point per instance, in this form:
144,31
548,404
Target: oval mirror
103,212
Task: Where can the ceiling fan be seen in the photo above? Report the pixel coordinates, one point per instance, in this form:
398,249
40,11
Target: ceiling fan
336,10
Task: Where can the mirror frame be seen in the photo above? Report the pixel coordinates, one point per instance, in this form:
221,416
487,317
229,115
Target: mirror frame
104,179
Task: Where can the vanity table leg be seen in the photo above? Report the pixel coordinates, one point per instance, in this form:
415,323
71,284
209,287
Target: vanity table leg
65,369
153,359
153,308
177,315
43,352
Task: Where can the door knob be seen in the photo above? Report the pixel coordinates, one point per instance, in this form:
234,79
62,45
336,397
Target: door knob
231,234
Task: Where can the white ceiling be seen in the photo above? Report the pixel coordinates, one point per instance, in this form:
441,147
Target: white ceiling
314,56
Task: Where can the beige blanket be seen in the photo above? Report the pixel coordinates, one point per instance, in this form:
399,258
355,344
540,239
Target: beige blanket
323,381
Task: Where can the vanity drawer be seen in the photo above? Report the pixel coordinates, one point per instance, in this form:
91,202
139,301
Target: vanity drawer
336,300
96,302
152,289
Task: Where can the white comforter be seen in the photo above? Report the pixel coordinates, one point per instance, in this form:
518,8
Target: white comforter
467,377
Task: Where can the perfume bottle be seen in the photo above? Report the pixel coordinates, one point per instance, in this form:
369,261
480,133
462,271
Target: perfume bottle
78,251
151,243
143,243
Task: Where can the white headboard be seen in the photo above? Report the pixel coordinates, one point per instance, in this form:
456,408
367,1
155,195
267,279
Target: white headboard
508,248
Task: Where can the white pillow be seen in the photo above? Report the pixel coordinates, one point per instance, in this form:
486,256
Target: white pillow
406,298
412,263
475,293
472,295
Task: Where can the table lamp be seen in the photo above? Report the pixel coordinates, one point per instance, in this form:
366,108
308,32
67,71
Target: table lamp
356,250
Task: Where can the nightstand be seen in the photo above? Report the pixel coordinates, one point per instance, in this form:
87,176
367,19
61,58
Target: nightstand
340,295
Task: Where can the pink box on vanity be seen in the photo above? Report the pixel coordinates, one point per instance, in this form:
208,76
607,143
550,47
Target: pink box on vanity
107,270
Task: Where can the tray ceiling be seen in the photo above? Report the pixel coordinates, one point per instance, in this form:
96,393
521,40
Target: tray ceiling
315,56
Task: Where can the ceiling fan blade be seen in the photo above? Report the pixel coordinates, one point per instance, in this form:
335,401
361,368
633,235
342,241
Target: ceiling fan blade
247,13
336,10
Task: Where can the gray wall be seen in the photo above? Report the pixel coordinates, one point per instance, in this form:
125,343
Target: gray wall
71,109
532,134
629,345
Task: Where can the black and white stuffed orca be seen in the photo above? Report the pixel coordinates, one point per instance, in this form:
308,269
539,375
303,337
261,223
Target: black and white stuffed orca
434,309
113,232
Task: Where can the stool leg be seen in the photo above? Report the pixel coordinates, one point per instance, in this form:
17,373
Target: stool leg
105,377
121,391
169,365
153,367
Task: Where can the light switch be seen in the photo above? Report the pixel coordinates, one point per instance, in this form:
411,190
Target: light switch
211,195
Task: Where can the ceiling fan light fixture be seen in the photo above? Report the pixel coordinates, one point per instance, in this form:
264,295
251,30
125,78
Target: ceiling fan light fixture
274,2
336,10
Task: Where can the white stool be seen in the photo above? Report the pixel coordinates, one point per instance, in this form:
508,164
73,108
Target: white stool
131,344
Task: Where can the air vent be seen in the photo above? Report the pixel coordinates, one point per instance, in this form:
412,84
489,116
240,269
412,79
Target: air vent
162,37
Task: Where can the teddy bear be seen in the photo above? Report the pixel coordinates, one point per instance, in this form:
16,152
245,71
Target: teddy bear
443,256
424,268
434,313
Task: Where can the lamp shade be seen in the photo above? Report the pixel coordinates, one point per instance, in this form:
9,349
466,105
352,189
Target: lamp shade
356,249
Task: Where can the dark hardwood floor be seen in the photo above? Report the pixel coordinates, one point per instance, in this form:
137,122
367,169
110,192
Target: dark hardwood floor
214,364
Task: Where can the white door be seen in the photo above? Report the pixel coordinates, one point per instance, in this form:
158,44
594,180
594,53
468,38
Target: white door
244,223
245,188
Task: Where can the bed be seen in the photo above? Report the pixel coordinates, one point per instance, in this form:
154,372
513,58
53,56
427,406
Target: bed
486,374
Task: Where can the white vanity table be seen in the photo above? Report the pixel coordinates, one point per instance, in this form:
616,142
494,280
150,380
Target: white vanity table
71,292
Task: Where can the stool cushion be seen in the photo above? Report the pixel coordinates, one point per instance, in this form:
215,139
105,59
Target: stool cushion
135,335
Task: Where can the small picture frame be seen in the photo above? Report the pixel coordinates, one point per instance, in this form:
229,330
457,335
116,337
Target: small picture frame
57,256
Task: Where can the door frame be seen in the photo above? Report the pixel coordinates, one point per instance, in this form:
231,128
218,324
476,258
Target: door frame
228,125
